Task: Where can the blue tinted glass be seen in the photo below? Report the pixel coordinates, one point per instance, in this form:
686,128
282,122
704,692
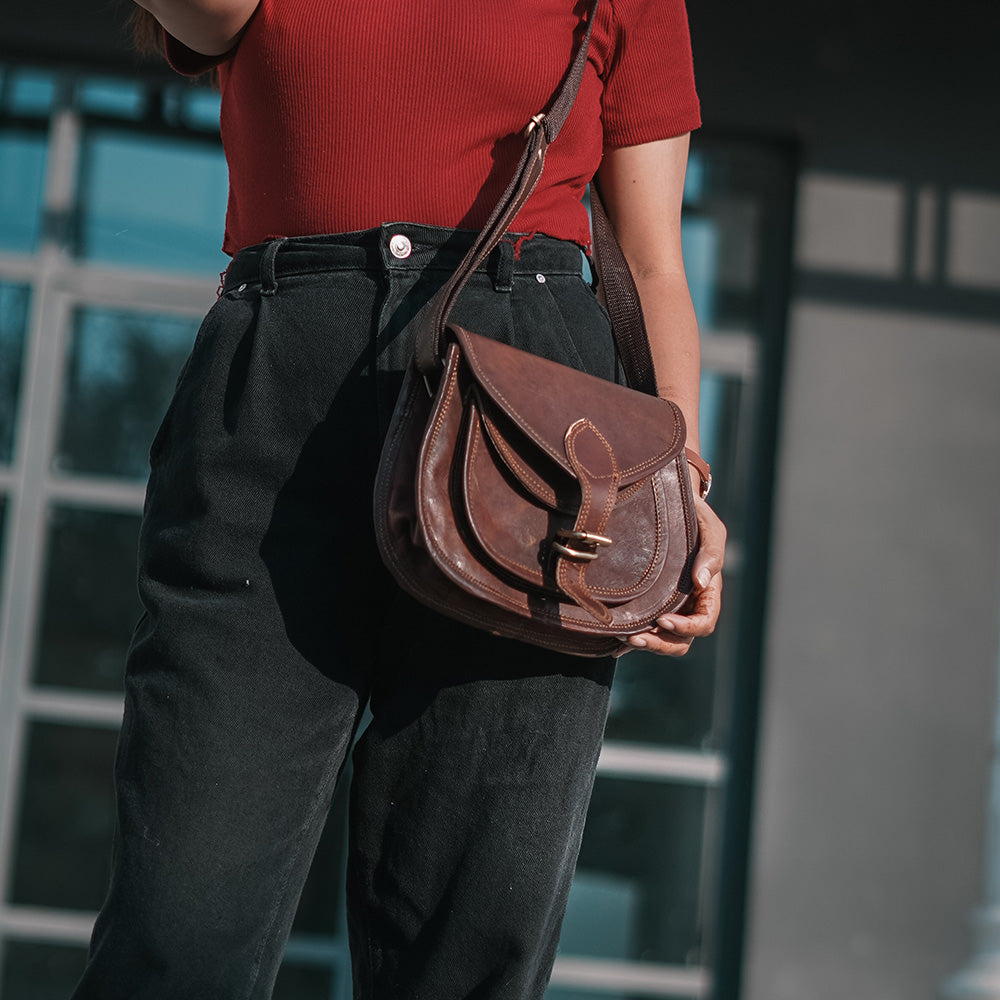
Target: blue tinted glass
13,321
638,893
201,108
41,971
153,202
31,91
694,179
61,857
111,97
296,982
89,599
22,167
578,993
700,242
120,375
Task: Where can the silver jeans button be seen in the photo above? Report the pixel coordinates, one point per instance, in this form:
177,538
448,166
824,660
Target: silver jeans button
400,247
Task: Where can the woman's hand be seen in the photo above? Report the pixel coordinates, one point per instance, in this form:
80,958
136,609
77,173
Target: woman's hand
675,632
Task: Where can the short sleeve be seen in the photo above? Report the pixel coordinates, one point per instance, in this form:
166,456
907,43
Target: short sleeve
186,61
649,90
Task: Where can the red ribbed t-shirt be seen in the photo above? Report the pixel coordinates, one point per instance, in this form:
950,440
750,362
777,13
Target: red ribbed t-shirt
342,115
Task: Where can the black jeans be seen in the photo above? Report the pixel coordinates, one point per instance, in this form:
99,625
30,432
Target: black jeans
270,622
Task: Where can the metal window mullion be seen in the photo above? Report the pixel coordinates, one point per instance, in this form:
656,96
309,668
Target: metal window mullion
24,528
32,923
633,978
79,708
25,545
96,492
668,764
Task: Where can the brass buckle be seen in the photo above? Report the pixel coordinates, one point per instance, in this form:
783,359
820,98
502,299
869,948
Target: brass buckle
589,541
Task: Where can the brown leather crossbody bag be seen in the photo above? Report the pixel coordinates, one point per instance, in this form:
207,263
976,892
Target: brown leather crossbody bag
522,496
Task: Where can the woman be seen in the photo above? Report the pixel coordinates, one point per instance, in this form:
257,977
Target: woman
367,143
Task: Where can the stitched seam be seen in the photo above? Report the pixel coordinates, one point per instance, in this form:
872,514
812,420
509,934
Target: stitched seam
584,591
523,472
442,554
484,378
511,564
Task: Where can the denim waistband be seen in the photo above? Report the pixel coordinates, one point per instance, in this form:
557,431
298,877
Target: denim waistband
399,246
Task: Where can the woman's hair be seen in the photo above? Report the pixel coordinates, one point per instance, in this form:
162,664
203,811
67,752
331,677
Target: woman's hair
147,35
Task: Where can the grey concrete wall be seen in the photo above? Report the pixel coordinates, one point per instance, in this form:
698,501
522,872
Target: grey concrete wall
881,663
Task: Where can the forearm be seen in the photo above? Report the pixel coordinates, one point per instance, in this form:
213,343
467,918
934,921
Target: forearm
210,27
642,188
673,342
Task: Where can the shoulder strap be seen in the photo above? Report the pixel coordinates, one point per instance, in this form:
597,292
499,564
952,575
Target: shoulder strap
622,300
619,288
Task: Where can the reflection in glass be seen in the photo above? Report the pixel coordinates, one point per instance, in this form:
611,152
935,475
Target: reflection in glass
200,108
111,97
13,322
153,202
122,367
638,892
700,241
30,91
575,993
89,605
22,167
666,704
297,982
40,971
321,907
62,849
722,419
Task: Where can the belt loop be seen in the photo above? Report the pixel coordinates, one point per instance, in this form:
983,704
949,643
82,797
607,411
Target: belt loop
268,279
503,270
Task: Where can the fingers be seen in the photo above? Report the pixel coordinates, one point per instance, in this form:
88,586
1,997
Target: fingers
712,546
675,632
663,644
701,617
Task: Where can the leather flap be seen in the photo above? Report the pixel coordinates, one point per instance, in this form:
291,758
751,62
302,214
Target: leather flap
544,399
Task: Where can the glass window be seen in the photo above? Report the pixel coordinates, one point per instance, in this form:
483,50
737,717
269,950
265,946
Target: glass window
22,167
201,108
152,202
40,971
111,97
674,707
62,850
638,892
723,415
297,982
13,323
699,239
121,371
30,91
576,993
193,106
89,604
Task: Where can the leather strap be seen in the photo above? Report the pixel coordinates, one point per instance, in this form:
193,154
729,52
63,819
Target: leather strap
704,471
614,276
613,273
621,298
